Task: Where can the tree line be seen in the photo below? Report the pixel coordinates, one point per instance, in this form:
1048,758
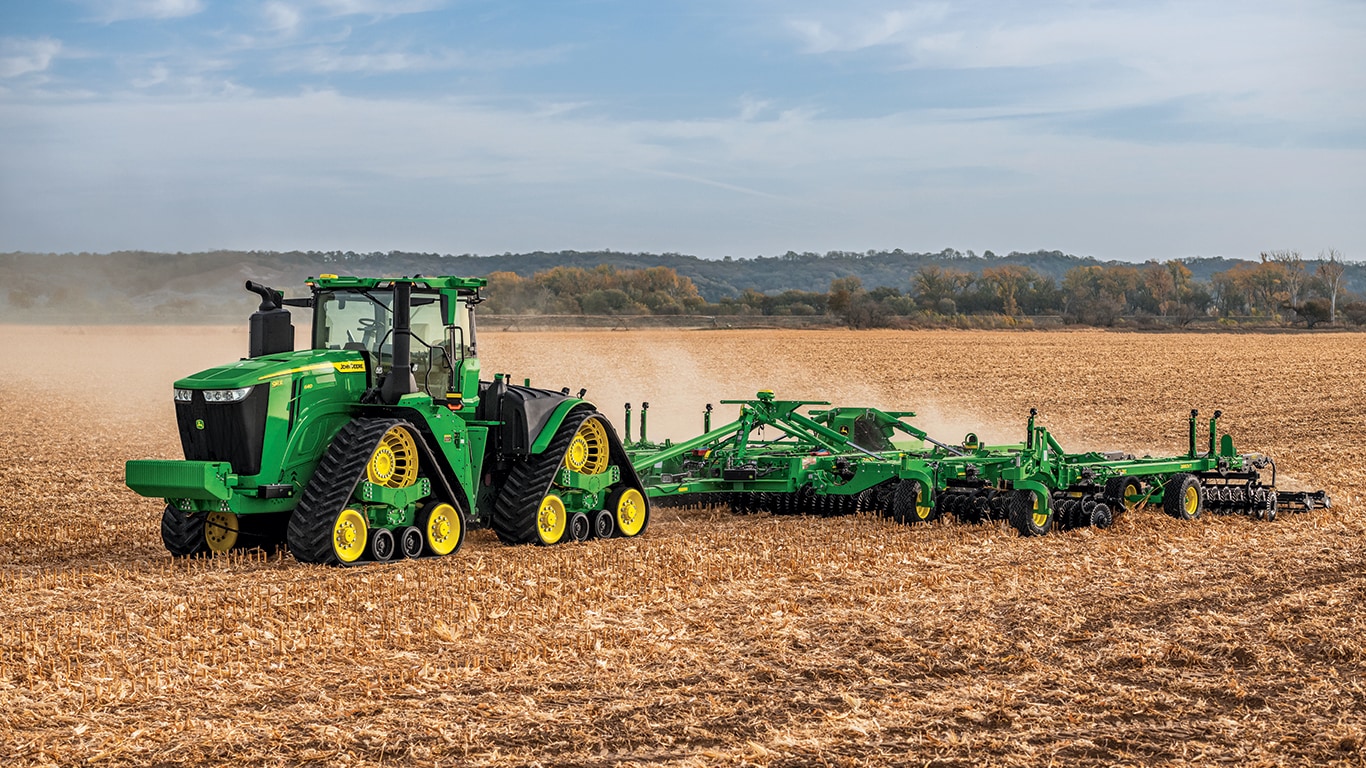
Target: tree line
1283,287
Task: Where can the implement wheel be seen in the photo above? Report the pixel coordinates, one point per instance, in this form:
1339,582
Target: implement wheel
1030,513
1119,489
1181,497
910,506
183,532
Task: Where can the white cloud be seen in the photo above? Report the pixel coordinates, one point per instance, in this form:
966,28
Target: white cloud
19,56
324,170
123,10
282,18
333,59
378,7
1259,59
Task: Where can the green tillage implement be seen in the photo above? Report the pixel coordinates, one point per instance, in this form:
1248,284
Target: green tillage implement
381,440
774,458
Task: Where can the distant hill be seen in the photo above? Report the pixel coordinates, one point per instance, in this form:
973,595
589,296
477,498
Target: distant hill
128,286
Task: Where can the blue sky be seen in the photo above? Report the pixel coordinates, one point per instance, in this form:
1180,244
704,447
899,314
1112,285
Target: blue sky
1126,130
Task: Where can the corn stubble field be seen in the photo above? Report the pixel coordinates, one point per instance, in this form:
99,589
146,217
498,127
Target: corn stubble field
713,639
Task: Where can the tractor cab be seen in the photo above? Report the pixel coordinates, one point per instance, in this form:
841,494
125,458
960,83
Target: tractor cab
427,322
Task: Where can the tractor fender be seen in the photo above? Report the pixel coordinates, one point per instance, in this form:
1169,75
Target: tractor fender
553,423
527,416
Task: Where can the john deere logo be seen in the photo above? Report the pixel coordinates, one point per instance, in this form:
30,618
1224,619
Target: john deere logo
198,423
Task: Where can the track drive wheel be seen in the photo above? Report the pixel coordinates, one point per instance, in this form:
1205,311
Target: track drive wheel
1181,497
1030,513
183,532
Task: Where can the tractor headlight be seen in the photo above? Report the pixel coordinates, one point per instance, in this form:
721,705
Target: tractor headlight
182,395
226,395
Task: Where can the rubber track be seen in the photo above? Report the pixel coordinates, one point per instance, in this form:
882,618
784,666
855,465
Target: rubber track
514,512
338,473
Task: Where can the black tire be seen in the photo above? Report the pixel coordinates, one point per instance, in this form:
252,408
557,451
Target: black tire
1024,505
183,532
1117,491
882,498
911,505
604,524
1182,498
410,542
382,547
1101,516
979,511
579,527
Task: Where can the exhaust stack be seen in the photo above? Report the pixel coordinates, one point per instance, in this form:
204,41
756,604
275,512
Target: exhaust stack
398,380
270,331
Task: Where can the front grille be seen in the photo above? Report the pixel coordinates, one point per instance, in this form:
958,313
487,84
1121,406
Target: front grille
232,432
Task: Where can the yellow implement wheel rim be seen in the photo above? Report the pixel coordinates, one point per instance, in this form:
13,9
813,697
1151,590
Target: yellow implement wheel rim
349,534
220,531
921,511
630,512
1192,499
1040,518
587,453
443,529
1130,489
394,462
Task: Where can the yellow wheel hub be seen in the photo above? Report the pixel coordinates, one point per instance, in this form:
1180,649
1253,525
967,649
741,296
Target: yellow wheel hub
394,462
630,512
1040,518
921,511
1130,504
587,453
1192,499
220,531
551,520
443,529
348,535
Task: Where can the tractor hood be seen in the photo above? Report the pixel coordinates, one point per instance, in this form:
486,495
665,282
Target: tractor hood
251,371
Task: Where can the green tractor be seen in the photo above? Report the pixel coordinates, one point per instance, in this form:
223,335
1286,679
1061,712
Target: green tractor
381,441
